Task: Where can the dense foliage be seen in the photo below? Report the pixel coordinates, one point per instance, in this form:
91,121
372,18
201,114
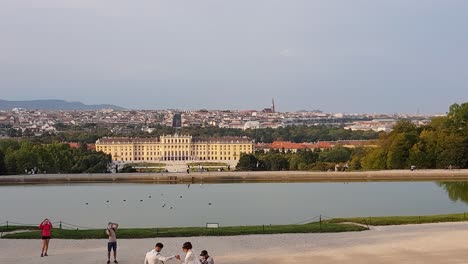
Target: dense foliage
296,134
19,157
91,132
441,144
302,160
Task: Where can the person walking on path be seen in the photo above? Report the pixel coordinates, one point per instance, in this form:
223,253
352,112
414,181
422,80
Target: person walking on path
205,258
155,257
189,255
112,244
46,227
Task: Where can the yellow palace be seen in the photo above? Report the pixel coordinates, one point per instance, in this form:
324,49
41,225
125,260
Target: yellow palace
174,148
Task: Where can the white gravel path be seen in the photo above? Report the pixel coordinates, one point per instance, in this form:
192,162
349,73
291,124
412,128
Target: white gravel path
428,243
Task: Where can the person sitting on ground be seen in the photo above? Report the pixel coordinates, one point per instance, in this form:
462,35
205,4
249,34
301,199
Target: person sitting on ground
205,258
46,227
155,257
112,244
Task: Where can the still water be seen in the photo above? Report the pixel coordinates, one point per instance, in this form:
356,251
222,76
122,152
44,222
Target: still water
153,205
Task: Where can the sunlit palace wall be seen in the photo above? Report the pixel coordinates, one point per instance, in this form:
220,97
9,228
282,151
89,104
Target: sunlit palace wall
175,148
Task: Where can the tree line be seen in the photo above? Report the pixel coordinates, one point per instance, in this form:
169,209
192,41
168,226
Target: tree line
24,156
278,160
442,144
89,133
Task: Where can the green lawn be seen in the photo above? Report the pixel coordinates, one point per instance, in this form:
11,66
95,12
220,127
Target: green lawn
147,164
204,164
402,220
327,226
193,231
10,228
151,170
211,169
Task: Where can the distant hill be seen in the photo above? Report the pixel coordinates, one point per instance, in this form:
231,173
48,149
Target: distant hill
53,105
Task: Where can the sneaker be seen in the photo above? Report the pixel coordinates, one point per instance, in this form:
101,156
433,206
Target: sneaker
45,255
42,255
108,262
115,261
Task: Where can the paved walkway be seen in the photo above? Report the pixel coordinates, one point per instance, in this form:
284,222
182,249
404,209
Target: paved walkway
425,244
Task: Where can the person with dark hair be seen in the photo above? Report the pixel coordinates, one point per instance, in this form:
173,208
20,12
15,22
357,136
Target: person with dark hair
112,244
205,258
155,257
46,227
189,256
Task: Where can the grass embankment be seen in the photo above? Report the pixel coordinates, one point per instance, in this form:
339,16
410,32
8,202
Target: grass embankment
147,164
402,220
207,164
327,226
150,170
15,228
193,231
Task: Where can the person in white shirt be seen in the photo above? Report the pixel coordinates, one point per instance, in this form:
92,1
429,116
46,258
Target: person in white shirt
190,257
155,257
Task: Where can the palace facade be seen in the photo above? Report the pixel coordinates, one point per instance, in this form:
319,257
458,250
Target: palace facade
174,148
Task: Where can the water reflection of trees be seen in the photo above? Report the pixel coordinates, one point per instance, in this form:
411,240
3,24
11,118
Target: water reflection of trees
456,191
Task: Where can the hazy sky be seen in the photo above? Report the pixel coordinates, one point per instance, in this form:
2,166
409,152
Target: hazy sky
340,56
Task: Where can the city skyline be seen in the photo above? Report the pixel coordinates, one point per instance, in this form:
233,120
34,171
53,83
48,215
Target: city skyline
102,106
363,57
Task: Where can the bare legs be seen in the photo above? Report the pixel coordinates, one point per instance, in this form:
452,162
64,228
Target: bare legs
109,256
45,246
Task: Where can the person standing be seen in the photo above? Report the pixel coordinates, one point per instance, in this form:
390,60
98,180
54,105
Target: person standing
189,255
155,257
46,227
112,243
205,258
346,166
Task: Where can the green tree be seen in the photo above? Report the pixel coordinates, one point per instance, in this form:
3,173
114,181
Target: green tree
10,162
376,159
337,155
3,169
303,160
458,116
52,158
398,153
452,151
357,157
247,162
274,162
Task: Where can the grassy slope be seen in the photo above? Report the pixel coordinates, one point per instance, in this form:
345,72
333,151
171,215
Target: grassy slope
327,226
402,220
147,164
193,231
207,164
14,228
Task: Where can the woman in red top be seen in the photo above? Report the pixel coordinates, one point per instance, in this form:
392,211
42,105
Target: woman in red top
46,227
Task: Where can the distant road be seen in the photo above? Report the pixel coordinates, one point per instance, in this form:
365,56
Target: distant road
217,177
